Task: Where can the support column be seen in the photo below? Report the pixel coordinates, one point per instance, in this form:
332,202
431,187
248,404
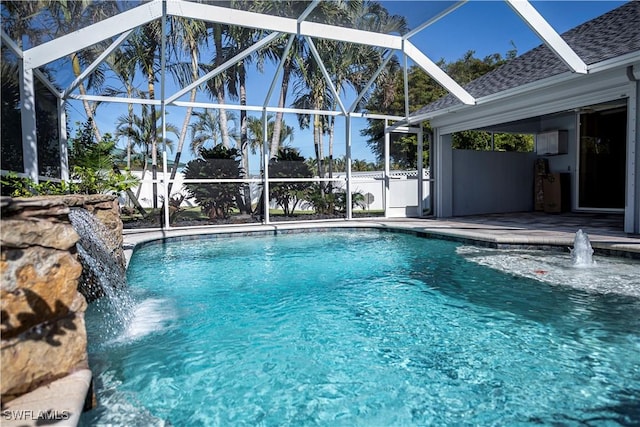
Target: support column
443,174
62,131
387,169
348,166
420,176
163,111
28,121
266,156
632,205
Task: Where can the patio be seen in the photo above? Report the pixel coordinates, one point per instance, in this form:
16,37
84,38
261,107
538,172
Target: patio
536,229
526,229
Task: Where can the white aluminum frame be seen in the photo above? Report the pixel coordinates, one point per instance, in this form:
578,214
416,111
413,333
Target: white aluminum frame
551,38
122,25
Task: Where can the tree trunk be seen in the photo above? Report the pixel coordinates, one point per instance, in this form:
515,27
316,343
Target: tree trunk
222,117
331,134
154,137
219,85
277,126
317,130
75,62
187,117
244,139
144,172
96,132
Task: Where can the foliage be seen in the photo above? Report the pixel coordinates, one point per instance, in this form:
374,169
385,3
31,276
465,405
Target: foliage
389,99
219,162
288,163
92,163
321,198
207,128
339,164
97,181
357,200
481,140
85,152
16,186
329,200
142,130
91,172
84,181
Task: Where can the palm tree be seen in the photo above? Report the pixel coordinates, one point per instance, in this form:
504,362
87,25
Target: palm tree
275,52
241,39
312,92
20,22
142,129
255,132
362,165
207,128
123,65
68,17
348,64
186,36
217,86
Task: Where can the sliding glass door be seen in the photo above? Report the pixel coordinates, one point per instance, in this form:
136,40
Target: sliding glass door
602,158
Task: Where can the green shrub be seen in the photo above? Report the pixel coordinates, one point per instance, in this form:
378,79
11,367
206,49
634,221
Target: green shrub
219,162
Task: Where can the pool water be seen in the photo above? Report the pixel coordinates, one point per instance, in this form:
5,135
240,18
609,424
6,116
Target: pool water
358,329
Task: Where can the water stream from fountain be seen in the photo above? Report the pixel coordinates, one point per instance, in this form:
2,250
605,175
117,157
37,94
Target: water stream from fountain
103,275
582,252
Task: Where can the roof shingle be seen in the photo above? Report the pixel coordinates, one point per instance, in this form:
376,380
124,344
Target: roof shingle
608,36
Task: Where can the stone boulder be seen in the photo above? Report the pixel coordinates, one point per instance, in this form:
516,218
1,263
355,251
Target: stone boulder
43,332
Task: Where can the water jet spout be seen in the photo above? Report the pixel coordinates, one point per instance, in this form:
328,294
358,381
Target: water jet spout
582,252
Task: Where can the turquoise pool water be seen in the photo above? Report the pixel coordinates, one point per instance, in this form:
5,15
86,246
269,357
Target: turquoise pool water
358,329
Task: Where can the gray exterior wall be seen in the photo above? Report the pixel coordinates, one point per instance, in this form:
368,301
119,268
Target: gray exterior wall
564,163
492,182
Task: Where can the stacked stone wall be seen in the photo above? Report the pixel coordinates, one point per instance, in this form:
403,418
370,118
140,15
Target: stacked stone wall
43,331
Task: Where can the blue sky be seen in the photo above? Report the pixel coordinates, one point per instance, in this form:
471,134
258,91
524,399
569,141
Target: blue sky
485,27
490,26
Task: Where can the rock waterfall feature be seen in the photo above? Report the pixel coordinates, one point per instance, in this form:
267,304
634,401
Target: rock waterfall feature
42,299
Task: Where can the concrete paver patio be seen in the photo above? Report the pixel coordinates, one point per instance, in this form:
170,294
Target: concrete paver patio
531,229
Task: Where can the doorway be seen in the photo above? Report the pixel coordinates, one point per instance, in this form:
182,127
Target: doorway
602,158
405,193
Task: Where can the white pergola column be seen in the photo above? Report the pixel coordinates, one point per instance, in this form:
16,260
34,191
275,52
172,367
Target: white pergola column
163,110
348,165
387,169
443,161
420,173
28,121
265,167
63,137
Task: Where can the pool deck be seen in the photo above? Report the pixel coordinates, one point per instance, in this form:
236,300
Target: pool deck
531,230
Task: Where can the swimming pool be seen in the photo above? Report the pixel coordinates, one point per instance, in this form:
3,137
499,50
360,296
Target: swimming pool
358,328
